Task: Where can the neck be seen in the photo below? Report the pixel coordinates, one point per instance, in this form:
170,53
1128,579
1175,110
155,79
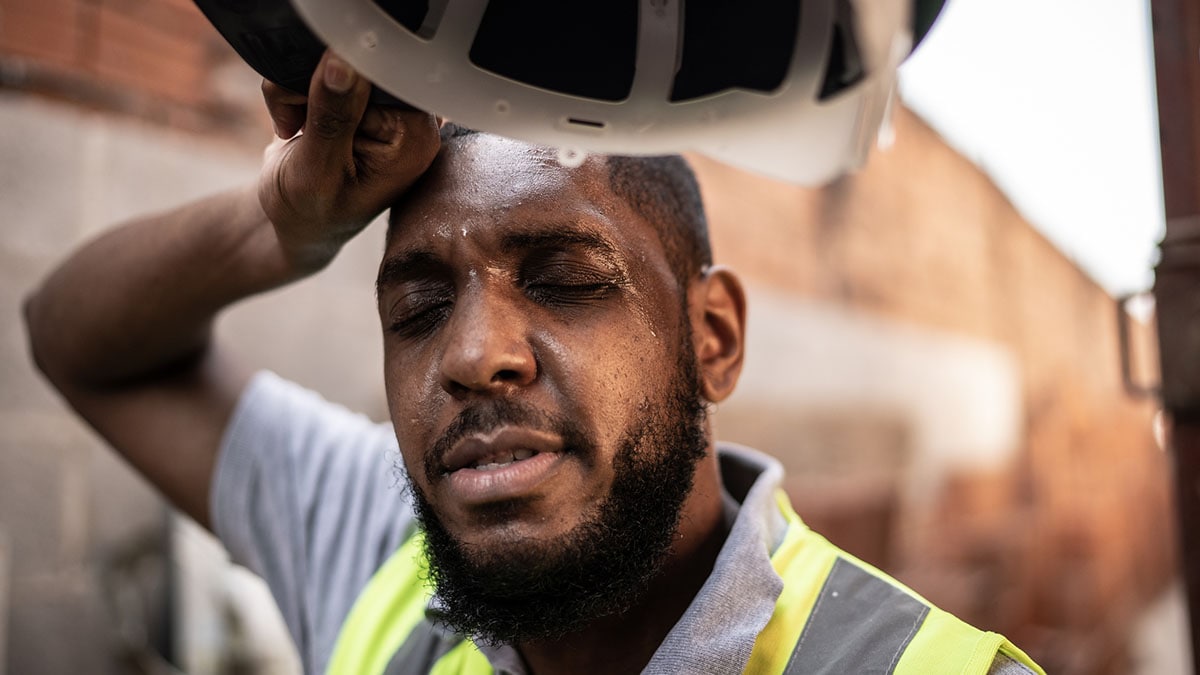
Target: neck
624,643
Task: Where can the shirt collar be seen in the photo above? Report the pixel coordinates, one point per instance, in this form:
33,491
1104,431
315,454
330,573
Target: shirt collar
719,628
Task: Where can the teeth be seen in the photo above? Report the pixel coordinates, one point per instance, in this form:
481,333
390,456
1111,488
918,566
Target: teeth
494,462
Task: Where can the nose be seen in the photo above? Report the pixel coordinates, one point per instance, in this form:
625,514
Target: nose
487,348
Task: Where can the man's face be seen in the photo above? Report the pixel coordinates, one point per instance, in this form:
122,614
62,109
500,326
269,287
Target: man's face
536,342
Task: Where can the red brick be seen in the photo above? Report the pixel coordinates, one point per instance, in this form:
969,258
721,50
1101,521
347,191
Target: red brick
47,30
1077,534
150,60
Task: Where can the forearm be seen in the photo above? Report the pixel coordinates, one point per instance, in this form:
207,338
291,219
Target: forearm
123,328
142,297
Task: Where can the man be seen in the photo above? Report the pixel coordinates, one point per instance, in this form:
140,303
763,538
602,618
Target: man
552,337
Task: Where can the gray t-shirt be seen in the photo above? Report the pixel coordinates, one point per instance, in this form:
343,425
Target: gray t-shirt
310,497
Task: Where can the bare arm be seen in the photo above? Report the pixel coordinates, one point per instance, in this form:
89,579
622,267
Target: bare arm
123,327
122,330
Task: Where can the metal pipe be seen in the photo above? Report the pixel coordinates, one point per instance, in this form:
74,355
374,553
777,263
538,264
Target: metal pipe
1176,26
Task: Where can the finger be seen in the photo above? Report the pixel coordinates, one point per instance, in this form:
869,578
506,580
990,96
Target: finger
404,156
337,99
379,123
286,108
388,124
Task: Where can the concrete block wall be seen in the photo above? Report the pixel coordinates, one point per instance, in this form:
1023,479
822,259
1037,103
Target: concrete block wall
76,517
86,574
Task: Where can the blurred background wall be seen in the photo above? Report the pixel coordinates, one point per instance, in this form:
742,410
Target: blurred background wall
940,381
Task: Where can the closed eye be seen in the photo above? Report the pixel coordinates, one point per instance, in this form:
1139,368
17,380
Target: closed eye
569,282
418,313
566,295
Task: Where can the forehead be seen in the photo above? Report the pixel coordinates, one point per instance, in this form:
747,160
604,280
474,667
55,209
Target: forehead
482,184
483,170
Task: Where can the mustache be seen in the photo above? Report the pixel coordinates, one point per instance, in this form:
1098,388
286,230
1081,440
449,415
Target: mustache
487,417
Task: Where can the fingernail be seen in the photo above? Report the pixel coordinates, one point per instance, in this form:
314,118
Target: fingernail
338,75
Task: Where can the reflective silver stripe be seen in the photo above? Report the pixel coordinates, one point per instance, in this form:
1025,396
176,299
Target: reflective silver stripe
425,645
1003,665
859,624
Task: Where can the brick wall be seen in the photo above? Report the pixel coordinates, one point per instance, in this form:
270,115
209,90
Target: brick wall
158,60
1060,548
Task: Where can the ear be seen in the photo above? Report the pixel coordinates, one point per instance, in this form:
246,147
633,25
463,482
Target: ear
717,309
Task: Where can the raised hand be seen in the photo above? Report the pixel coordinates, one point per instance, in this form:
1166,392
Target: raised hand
339,162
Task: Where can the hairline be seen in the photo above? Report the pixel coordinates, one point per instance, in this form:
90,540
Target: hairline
673,235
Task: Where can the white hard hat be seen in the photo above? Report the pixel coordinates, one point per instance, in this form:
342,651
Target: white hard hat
793,89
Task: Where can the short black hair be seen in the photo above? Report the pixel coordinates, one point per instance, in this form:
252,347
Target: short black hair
662,189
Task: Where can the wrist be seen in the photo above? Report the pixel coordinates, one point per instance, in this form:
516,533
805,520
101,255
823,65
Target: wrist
305,241
303,259
263,253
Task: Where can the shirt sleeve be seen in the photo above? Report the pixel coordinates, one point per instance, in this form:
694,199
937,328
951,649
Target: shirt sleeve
312,498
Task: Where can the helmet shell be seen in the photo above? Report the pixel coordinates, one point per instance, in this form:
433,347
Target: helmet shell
819,118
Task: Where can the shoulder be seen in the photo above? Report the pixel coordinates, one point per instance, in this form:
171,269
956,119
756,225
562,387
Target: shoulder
849,615
284,427
310,496
836,613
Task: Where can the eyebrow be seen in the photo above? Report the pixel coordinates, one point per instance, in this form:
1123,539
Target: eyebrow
418,262
558,239
409,264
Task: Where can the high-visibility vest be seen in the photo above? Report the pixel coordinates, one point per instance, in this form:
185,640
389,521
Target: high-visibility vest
836,614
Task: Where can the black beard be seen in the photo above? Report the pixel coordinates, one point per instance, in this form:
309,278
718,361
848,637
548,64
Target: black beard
533,591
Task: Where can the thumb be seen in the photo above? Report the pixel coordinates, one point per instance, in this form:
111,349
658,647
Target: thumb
337,99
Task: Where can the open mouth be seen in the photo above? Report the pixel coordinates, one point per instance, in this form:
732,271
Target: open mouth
505,463
499,460
498,449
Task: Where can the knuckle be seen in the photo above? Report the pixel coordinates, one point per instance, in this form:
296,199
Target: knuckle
390,125
370,164
330,124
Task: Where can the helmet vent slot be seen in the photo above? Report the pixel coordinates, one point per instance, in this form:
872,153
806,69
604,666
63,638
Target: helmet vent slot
586,50
845,66
590,124
408,13
732,44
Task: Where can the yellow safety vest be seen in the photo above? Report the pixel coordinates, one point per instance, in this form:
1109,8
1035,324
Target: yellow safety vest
836,614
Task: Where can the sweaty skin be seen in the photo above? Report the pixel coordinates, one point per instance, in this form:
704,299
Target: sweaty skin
527,314
507,277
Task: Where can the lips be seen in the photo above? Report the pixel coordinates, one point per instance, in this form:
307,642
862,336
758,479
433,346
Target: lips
507,463
503,446
502,459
